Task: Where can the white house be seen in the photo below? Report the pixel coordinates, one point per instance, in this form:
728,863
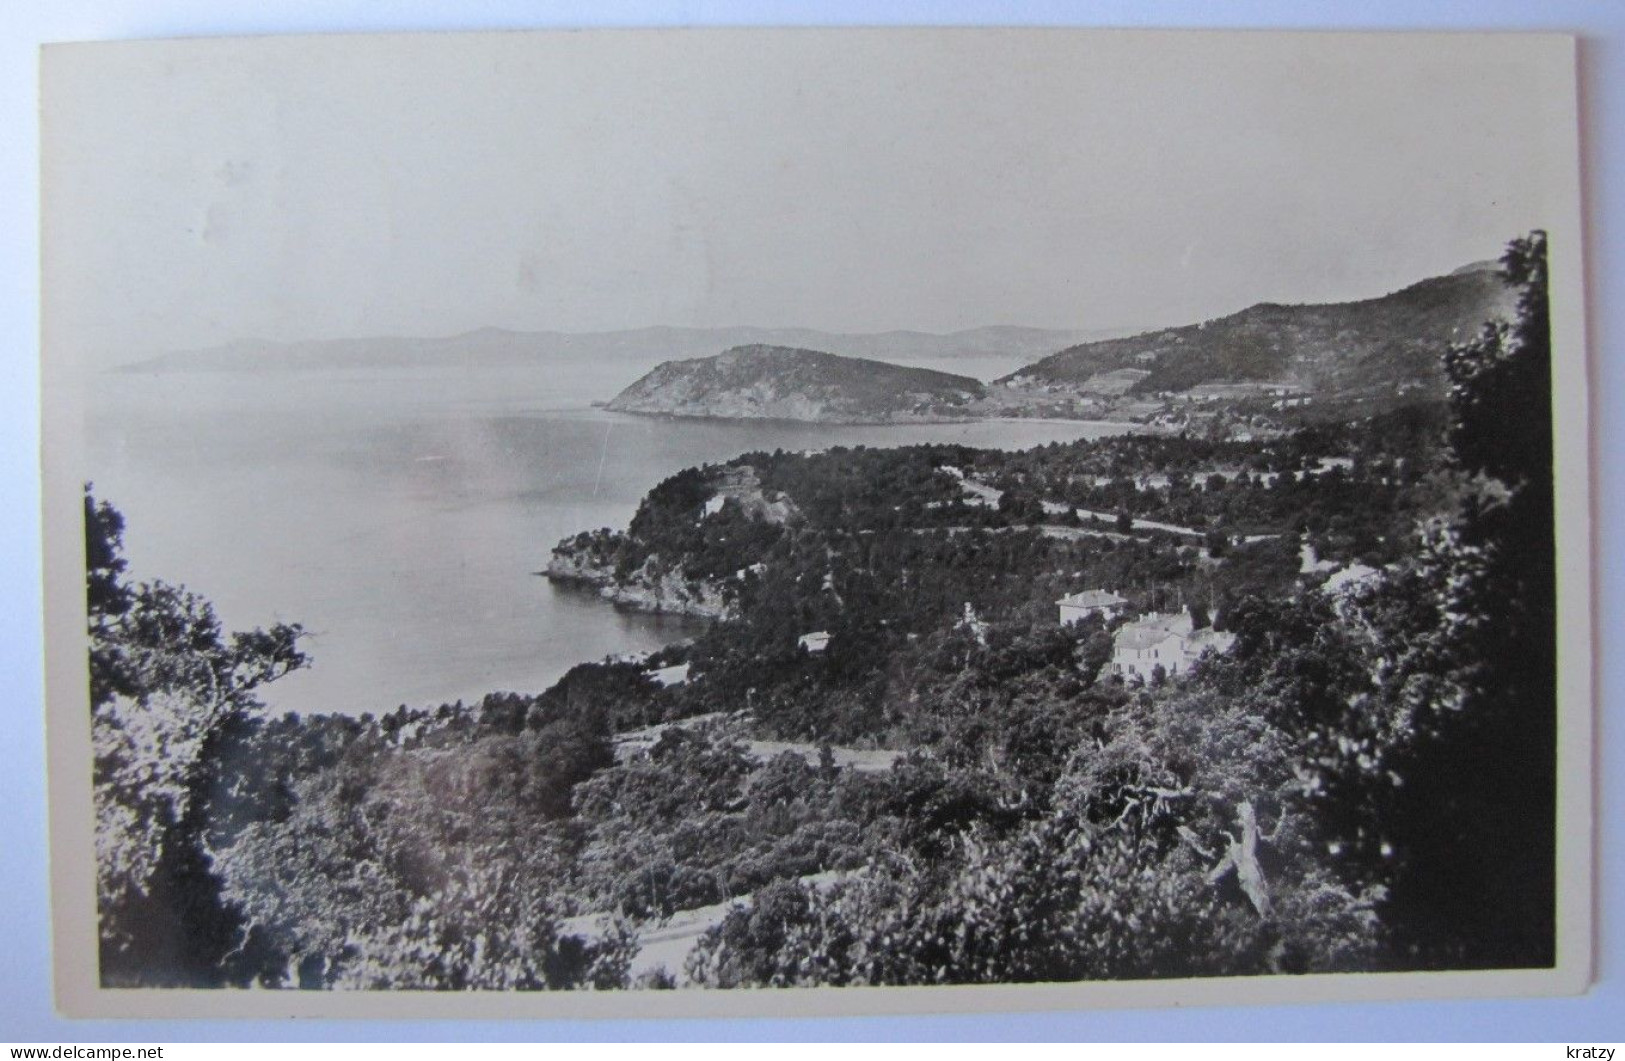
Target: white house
815,642
1079,606
1345,581
1169,641
670,676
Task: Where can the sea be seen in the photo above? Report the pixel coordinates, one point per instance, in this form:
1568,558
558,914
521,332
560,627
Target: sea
402,515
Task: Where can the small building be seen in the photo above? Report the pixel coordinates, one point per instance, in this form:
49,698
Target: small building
1345,581
815,642
1327,464
1101,602
670,676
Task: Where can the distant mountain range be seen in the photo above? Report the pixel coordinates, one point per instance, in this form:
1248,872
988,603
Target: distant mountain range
497,348
1369,354
759,382
1335,350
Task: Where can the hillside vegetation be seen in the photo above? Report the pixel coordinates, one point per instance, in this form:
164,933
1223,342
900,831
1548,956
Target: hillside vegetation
1346,349
782,383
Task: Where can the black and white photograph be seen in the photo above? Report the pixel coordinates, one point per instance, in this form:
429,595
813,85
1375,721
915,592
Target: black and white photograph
651,516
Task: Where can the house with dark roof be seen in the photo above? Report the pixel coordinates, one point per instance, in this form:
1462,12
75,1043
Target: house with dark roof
1101,602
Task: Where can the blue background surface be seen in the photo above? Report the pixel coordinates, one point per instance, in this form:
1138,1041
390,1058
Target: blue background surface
26,1012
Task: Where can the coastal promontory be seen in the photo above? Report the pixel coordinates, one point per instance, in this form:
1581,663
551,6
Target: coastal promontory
784,383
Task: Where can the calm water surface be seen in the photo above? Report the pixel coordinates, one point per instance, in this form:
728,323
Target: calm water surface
401,516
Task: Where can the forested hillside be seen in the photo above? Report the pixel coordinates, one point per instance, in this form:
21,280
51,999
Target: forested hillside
782,383
1380,346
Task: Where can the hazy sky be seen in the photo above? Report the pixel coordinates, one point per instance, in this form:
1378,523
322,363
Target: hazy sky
199,192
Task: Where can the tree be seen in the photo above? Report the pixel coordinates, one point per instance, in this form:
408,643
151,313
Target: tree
1425,703
1478,823
416,869
1173,844
168,692
1020,506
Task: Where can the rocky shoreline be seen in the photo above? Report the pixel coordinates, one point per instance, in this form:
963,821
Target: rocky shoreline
775,383
650,588
807,416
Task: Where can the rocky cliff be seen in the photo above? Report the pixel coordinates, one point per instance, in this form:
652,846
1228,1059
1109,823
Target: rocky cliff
653,587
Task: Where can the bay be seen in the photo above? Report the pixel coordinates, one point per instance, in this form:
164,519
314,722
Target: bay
401,516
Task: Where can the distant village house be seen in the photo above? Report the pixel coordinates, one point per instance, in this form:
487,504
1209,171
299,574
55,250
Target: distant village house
670,676
1101,602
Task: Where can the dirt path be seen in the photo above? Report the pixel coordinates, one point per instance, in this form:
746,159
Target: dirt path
665,944
863,760
1142,524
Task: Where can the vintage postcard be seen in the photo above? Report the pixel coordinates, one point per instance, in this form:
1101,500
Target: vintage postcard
637,522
